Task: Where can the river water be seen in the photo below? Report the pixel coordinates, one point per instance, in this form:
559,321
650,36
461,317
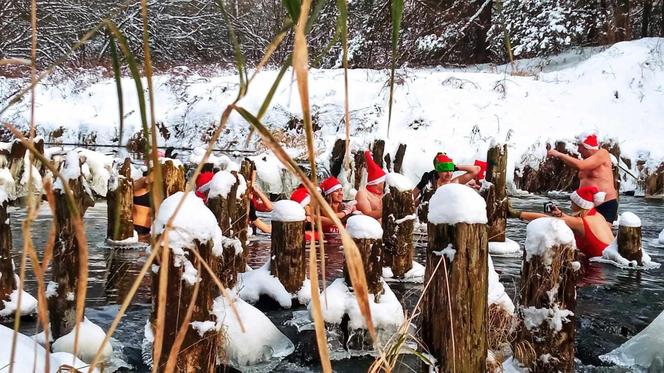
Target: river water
613,304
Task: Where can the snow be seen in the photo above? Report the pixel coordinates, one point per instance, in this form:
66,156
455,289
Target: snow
90,338
449,252
221,184
399,181
364,227
544,233
534,317
456,203
260,341
28,304
196,157
287,211
661,237
30,356
7,186
51,289
503,248
202,327
629,219
497,294
338,300
610,255
268,173
641,352
127,241
254,283
415,274
70,170
99,166
194,221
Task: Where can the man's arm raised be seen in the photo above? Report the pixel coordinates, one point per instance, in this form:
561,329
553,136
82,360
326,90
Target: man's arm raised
589,163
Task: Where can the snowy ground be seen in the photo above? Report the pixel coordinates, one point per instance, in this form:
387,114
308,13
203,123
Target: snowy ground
618,91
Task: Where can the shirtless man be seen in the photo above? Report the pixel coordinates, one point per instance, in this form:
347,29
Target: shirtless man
443,173
594,169
370,198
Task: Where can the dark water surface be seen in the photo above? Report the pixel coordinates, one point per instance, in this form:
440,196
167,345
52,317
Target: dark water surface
613,304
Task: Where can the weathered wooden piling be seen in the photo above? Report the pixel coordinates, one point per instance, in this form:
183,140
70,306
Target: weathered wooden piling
202,341
359,162
66,260
377,151
629,237
454,313
120,204
222,202
173,173
545,339
367,234
337,157
398,222
423,206
398,158
7,280
243,192
496,194
288,244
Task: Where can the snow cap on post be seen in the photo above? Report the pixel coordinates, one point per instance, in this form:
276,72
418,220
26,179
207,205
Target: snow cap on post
375,174
364,227
544,233
589,140
194,221
221,184
287,211
399,181
587,197
629,219
329,185
456,203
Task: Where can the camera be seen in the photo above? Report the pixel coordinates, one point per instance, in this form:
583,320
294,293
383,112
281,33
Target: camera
549,206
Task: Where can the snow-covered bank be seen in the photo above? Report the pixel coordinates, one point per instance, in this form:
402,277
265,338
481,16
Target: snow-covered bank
617,91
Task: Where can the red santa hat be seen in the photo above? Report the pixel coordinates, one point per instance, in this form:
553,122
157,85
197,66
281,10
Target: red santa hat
330,185
376,175
589,141
587,197
301,196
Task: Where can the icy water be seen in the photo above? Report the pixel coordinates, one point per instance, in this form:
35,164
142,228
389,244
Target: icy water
613,304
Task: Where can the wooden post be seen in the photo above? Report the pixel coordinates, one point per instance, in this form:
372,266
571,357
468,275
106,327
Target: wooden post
62,305
240,213
7,280
359,167
288,245
629,237
173,174
337,157
120,205
223,208
398,222
377,151
423,207
466,277
496,195
196,354
371,248
548,299
398,158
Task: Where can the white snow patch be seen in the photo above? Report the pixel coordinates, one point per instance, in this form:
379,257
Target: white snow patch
338,300
398,181
555,317
414,275
660,238
71,169
254,283
260,341
99,167
449,252
364,227
629,219
7,186
52,289
28,304
221,184
287,211
90,338
202,327
456,203
544,233
642,351
504,248
497,294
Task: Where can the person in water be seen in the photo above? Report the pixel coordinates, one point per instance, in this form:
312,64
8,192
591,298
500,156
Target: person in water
334,195
203,181
258,202
591,231
443,173
595,168
142,212
370,197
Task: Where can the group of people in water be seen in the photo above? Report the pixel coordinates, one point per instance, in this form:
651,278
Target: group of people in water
594,204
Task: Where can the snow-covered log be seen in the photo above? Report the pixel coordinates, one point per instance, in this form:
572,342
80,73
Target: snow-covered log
66,259
455,306
367,234
398,222
288,244
629,237
545,340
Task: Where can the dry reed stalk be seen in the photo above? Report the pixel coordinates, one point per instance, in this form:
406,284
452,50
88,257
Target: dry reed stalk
500,327
319,322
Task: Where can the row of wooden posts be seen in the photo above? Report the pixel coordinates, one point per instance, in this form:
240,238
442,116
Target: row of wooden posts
454,313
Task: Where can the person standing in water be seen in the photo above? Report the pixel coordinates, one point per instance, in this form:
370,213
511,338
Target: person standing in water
595,169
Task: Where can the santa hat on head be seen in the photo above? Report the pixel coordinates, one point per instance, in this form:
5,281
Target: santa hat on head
376,175
587,197
330,185
301,196
589,141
